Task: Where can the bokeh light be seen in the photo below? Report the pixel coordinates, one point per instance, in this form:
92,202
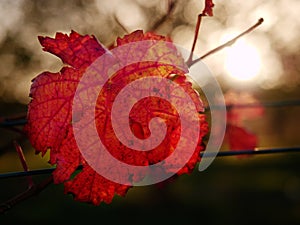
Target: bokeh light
242,61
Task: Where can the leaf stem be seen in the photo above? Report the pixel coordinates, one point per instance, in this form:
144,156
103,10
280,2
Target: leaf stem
227,44
11,121
8,123
197,28
121,25
171,5
23,162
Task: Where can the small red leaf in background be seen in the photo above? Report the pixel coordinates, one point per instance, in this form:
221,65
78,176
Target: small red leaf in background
239,138
241,107
49,124
237,107
208,8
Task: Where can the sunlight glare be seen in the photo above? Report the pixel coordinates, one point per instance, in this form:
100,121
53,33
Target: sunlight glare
242,61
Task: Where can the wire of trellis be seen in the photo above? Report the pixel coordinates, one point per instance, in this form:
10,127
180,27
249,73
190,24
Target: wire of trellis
258,151
287,103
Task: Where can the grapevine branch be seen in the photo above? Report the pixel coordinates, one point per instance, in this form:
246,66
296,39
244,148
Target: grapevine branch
171,5
30,192
121,25
33,189
190,59
191,62
10,122
23,162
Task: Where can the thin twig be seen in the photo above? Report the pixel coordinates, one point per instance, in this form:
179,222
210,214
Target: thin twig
207,11
170,10
30,192
17,122
14,129
121,25
10,123
14,117
197,28
227,44
169,6
29,173
23,162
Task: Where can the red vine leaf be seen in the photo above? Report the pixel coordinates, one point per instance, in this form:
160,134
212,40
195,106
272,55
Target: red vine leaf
88,186
49,124
75,50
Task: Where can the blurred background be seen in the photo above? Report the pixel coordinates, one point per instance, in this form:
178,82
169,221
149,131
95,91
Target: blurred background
264,64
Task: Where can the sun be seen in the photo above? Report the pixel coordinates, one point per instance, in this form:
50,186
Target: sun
242,61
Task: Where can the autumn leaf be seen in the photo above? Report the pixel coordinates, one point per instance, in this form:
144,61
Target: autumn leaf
49,126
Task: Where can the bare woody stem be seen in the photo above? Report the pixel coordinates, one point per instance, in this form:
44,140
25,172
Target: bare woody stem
227,44
197,28
23,162
30,192
11,122
121,25
171,5
33,189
